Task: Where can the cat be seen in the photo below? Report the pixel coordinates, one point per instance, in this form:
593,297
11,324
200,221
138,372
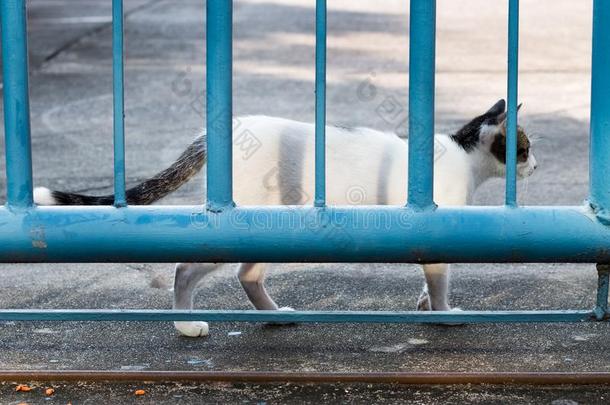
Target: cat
281,171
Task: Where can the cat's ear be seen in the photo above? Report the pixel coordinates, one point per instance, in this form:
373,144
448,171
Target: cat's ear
497,108
496,113
502,117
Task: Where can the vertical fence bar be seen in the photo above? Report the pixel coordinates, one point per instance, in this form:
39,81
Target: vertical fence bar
603,280
118,103
599,160
421,102
219,68
320,197
513,88
16,104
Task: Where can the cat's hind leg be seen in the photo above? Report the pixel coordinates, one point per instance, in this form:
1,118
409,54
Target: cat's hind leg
186,279
252,279
435,295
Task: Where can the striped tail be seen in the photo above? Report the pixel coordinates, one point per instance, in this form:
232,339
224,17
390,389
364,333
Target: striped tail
169,180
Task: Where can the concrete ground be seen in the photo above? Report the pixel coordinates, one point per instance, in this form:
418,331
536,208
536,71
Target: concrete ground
71,103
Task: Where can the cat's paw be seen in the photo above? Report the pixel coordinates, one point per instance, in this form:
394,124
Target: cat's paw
423,302
193,329
453,323
282,323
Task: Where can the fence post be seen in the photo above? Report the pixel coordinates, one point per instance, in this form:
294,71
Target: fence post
599,160
421,102
219,109
603,278
16,104
320,174
120,199
513,94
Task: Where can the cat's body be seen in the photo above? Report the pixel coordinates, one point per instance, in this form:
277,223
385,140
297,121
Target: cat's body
363,166
276,166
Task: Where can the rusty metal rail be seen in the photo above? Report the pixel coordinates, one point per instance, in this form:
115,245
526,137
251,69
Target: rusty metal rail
266,377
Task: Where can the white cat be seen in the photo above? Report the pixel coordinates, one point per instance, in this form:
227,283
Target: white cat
281,171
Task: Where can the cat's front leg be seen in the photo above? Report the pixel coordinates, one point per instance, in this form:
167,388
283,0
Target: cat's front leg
187,277
435,295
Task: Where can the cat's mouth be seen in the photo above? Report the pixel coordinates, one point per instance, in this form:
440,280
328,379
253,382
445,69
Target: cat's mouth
526,169
525,172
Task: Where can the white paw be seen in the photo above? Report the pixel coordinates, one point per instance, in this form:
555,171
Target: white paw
284,309
453,323
192,329
423,302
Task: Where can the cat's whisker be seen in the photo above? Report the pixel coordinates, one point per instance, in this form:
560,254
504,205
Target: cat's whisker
535,138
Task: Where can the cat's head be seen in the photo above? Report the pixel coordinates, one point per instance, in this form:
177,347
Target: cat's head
486,134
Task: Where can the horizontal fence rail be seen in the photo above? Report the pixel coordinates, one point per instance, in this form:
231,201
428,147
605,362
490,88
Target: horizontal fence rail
304,234
436,317
220,232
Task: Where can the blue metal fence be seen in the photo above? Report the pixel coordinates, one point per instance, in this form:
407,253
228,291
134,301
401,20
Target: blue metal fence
418,232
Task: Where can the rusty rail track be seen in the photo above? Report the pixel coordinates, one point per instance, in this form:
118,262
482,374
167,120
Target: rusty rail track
260,377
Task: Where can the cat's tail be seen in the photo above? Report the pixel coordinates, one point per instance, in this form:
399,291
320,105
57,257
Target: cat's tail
182,170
